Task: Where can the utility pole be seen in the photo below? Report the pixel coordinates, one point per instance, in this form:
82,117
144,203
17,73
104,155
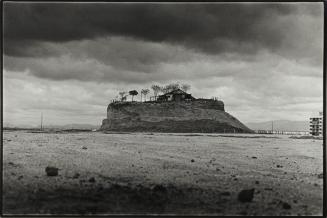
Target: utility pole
41,121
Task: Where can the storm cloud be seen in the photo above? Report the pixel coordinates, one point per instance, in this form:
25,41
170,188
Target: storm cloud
212,28
250,55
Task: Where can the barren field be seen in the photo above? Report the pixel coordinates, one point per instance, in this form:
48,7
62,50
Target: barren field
156,173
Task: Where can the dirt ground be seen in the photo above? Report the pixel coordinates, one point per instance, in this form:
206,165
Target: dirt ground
161,173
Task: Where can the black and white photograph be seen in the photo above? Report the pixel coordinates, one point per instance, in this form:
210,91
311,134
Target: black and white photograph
163,108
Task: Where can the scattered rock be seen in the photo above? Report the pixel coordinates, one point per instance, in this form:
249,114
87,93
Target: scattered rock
279,166
295,201
84,147
20,177
320,176
159,188
76,175
192,160
246,195
225,193
257,182
92,179
286,206
254,157
100,188
51,171
217,169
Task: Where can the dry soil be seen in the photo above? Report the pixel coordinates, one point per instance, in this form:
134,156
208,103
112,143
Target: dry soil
156,173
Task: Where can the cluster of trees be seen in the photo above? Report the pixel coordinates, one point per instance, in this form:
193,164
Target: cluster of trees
156,90
168,88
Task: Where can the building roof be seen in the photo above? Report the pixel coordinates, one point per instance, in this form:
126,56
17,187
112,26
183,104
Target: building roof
176,91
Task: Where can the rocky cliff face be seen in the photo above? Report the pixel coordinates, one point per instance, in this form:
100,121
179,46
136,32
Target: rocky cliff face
194,116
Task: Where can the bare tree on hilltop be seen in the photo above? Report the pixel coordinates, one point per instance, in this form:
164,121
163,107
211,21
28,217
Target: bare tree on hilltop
156,89
170,87
144,92
132,93
122,96
164,89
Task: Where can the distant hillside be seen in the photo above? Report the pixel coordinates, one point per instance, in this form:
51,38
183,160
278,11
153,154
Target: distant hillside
73,126
67,126
281,125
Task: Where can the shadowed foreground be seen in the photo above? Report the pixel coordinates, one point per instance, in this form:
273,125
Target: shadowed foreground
145,173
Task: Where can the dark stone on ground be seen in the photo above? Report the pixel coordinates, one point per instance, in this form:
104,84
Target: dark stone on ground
286,206
257,182
279,166
254,157
225,193
84,147
76,175
320,176
192,160
246,195
51,171
92,180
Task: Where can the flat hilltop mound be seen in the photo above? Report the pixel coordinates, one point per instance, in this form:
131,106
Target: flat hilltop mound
201,115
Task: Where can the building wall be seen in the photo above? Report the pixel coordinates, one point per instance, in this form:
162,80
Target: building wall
316,125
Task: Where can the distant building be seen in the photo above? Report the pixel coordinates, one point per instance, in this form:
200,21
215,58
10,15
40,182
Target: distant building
176,95
316,125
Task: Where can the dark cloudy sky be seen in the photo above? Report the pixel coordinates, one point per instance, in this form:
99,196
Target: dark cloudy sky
68,60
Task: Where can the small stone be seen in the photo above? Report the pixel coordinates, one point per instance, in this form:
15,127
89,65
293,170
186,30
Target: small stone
84,147
286,206
20,177
92,180
76,175
246,195
159,188
320,176
225,193
192,160
51,171
257,182
254,157
279,166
